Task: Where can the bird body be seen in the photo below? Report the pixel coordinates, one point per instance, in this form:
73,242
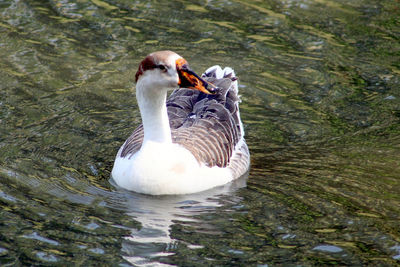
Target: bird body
189,143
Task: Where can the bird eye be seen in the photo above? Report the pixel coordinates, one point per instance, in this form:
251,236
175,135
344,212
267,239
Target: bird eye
162,67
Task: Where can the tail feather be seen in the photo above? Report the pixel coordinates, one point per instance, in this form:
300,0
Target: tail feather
219,73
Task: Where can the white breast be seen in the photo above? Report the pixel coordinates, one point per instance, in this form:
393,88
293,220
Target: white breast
152,170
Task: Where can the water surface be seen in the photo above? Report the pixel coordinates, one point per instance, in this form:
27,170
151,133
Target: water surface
320,102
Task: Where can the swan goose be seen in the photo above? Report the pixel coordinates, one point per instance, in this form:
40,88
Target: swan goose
190,142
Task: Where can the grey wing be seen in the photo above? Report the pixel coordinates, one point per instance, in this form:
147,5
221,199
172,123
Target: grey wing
207,125
133,143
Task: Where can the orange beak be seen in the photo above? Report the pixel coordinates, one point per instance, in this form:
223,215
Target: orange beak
189,79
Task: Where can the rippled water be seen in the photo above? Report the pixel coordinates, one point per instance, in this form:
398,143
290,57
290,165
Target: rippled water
320,85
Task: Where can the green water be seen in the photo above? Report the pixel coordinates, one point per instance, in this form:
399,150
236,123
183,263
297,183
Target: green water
320,86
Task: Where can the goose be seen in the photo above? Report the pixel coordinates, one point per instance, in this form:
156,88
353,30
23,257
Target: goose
189,142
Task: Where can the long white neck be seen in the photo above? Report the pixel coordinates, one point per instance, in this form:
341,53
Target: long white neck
153,109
